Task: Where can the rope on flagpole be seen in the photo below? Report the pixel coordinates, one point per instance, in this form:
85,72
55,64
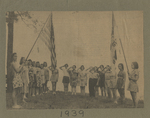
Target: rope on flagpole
37,38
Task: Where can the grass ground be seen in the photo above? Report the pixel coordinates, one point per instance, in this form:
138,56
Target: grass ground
62,101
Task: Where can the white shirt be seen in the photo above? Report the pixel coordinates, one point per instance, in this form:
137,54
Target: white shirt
65,71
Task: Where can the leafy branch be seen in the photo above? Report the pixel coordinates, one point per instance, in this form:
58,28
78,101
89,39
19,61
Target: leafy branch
28,25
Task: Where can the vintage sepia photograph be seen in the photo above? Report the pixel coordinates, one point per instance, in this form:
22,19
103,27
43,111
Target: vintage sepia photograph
74,60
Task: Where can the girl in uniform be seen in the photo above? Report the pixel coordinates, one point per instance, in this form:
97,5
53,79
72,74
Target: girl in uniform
31,77
31,80
54,79
133,87
101,80
38,78
34,78
25,77
121,82
46,75
73,79
110,80
82,78
42,79
17,81
93,81
65,77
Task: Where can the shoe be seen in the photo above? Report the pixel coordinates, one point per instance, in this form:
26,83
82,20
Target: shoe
16,107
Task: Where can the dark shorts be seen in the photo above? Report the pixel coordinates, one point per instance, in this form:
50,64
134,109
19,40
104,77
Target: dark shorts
92,84
65,79
102,83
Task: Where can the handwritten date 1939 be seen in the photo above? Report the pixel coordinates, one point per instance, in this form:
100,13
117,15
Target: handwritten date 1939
72,113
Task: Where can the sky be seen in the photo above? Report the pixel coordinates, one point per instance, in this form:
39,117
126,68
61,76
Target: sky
83,38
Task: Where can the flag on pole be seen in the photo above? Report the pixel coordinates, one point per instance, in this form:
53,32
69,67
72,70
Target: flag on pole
113,52
52,49
47,36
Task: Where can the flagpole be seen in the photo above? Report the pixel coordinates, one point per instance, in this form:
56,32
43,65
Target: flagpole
124,55
37,38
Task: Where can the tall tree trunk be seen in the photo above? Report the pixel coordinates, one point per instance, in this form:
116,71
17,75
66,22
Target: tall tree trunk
10,51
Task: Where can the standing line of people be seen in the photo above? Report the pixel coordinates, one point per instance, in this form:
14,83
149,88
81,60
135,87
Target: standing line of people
104,78
33,78
96,77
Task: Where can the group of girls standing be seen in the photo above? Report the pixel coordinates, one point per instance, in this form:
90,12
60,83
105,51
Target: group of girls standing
75,78
33,78
104,78
117,82
80,76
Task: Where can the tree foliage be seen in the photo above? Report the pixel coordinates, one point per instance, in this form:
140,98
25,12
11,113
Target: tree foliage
25,16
